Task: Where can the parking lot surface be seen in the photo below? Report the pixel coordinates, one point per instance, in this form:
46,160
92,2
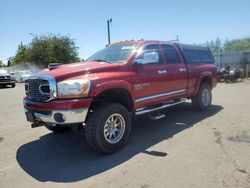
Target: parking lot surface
184,149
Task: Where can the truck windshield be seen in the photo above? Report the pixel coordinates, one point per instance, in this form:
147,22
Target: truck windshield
117,53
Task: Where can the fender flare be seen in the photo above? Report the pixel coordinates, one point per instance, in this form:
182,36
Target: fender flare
201,76
116,84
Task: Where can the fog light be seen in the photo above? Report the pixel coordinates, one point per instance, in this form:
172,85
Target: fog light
59,117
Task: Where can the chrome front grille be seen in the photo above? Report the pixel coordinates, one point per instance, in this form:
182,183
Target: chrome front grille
41,88
35,90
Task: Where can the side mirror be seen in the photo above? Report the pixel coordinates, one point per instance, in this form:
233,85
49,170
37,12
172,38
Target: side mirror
148,58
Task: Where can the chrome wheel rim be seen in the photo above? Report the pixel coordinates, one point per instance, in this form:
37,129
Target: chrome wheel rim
206,97
114,128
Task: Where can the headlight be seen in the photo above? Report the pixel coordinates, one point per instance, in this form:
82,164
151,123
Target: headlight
73,88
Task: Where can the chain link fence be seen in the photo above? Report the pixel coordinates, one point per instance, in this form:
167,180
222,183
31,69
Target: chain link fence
236,60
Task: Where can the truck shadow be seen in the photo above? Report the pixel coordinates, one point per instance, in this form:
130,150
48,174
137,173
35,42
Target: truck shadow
67,158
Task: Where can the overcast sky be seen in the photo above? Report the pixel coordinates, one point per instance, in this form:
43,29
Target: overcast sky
194,21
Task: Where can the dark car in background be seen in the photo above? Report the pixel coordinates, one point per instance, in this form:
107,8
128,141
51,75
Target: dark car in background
6,79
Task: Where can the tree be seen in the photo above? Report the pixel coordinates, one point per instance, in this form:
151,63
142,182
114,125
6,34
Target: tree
46,49
215,46
211,45
218,45
238,45
2,64
8,63
22,54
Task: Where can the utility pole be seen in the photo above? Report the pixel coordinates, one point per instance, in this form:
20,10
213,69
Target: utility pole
109,21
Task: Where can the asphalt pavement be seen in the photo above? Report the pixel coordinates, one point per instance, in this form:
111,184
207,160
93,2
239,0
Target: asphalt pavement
184,149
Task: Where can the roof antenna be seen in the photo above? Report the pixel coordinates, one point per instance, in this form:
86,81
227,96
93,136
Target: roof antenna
177,38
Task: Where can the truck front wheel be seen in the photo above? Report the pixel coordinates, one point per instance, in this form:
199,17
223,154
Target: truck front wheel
108,127
202,101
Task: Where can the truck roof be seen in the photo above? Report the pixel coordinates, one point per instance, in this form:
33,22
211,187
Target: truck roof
194,47
183,46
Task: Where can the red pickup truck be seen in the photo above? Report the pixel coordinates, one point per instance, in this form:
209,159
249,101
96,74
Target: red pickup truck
123,80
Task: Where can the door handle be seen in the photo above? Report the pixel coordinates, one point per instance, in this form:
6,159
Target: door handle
182,69
162,72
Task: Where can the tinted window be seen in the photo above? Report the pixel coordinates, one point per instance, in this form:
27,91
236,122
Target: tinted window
171,54
191,56
197,56
151,48
204,56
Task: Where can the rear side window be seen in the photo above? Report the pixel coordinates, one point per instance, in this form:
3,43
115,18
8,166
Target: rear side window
197,56
170,54
204,56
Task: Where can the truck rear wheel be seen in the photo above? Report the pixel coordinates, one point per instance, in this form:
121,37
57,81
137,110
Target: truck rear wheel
108,127
58,128
202,101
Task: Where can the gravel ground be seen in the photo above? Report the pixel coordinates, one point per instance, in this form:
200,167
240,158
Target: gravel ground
185,149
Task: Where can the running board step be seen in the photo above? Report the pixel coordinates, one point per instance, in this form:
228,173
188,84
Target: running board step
156,116
144,111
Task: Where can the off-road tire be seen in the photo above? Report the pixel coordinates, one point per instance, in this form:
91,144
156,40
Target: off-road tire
197,101
58,128
95,127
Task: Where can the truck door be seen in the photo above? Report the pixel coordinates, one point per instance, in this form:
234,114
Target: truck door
176,71
149,82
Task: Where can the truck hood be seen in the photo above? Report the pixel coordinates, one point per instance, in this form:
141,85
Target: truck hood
4,73
64,72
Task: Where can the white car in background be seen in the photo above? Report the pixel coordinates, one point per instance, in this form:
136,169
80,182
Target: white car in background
25,76
22,76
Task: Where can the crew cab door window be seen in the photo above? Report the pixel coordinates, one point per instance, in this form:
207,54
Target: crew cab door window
170,54
150,55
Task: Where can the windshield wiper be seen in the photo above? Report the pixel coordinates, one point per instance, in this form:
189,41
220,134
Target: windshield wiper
102,60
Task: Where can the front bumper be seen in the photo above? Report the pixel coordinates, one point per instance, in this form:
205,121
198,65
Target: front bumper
57,116
63,112
7,82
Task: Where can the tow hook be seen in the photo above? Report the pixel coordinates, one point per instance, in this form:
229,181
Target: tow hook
37,124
